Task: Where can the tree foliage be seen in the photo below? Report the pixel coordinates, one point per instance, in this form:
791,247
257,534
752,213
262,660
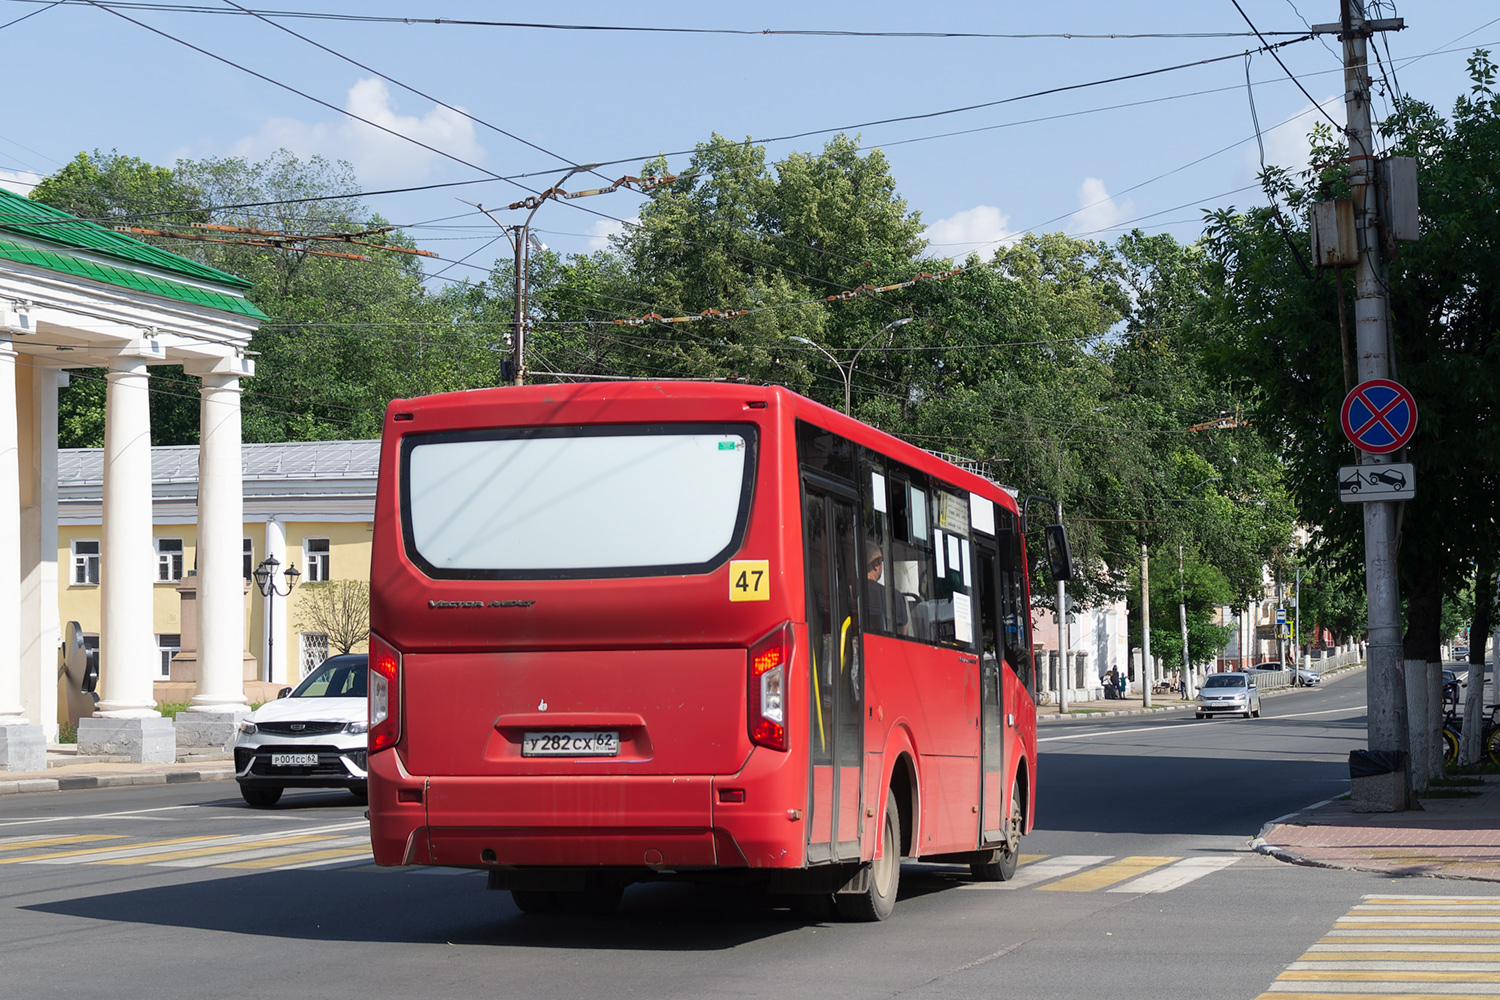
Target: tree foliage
1275,337
339,609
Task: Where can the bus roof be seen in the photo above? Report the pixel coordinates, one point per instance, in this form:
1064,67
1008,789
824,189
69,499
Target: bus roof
570,399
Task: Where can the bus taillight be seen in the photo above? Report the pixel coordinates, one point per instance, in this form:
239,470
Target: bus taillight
385,695
768,660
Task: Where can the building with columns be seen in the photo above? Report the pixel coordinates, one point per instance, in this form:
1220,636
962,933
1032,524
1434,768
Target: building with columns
78,298
308,504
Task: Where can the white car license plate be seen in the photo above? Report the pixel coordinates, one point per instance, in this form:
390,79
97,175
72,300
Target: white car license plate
294,760
571,744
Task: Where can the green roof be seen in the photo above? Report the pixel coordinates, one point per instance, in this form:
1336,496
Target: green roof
68,263
33,220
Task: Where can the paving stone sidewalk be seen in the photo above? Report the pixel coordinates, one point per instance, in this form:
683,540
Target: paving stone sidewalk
1447,838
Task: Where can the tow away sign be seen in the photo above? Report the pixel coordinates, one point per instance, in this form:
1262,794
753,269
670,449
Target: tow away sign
1367,483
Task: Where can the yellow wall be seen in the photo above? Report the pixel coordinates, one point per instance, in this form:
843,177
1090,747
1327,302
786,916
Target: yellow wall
349,545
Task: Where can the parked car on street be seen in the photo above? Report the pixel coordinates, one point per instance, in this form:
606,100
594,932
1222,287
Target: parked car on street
314,737
1303,676
1229,694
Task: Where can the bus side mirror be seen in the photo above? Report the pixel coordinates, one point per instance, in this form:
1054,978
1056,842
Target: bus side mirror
1059,556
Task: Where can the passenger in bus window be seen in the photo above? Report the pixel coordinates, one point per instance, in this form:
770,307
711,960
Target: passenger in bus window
880,612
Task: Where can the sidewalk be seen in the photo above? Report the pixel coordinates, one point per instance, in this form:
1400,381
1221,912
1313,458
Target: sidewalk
66,771
1447,838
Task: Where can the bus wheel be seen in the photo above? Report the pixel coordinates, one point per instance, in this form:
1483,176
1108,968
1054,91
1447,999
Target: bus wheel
878,897
535,901
999,865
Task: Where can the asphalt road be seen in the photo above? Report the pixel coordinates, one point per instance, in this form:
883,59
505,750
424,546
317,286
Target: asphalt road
295,907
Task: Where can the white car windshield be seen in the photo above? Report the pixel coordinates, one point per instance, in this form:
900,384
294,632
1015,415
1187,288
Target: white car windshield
338,677
1224,681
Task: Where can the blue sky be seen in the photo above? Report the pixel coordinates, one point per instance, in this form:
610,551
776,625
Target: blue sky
1107,157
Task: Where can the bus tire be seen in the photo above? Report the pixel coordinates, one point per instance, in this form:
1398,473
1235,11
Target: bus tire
999,865
878,898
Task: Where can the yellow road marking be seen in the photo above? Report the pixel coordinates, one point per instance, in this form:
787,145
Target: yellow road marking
1027,859
1423,925
1394,977
1431,901
1421,939
292,859
1098,878
95,850
24,845
198,852
1400,956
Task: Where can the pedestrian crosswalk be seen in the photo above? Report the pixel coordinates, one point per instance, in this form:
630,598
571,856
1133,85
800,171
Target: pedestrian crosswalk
1106,873
347,845
332,845
1399,947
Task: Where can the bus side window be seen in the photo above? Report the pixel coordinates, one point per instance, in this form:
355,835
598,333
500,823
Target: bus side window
952,604
1015,624
911,567
885,611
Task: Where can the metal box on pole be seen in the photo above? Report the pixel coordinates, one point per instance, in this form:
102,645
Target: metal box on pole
1334,243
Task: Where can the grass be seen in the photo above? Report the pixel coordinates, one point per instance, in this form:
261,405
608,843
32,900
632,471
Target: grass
1436,792
67,732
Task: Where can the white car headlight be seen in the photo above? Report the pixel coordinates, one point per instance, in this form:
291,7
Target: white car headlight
248,728
362,726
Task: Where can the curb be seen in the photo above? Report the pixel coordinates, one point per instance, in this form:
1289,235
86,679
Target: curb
79,781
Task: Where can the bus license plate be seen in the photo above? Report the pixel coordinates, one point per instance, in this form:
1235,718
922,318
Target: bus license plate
294,760
590,744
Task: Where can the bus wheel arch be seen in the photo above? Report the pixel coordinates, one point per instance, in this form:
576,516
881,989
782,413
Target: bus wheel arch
903,785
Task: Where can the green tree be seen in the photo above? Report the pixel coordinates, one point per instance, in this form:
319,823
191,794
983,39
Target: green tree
1275,336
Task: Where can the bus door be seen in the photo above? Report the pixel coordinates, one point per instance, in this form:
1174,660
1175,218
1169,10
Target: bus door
993,793
835,730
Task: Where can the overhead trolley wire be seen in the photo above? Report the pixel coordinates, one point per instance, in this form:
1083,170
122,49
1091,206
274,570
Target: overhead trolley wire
659,29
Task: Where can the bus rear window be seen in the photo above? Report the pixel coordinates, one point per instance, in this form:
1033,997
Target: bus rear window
576,502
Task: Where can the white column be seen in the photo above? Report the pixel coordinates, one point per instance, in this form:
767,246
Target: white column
127,646
41,631
221,505
10,542
274,632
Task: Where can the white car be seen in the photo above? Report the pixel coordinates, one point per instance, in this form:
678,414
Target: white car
1229,694
314,737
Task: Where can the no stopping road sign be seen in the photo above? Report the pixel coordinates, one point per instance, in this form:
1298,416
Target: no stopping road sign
1379,416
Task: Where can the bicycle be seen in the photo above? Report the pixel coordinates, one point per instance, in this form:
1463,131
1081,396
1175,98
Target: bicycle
1489,736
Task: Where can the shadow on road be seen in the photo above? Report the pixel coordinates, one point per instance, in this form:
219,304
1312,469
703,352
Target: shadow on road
397,907
1124,793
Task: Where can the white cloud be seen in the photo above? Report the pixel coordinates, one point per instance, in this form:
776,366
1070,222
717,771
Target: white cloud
379,158
1097,211
974,230
1287,145
19,181
601,230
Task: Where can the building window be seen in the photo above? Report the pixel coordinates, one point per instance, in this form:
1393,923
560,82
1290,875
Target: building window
314,650
315,559
249,560
168,646
86,563
168,560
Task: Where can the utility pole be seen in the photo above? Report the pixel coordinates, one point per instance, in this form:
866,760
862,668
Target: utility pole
1062,637
518,337
1384,682
1187,664
1146,672
1297,623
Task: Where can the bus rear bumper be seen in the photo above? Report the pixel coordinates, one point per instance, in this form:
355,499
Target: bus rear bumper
656,822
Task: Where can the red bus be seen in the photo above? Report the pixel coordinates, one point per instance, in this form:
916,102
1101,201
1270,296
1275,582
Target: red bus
676,630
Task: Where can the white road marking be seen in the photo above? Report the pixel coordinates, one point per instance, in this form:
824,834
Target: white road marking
1174,875
1048,868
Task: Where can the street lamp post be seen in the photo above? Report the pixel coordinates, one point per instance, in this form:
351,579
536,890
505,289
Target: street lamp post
846,369
265,582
